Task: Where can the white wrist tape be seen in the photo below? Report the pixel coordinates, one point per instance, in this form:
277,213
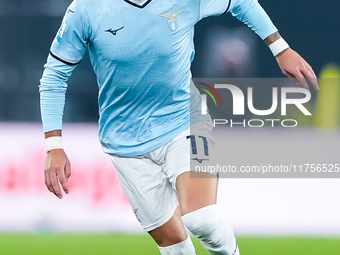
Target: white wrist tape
278,46
52,143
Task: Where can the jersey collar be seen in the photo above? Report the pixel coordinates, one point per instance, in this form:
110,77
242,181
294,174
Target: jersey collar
140,4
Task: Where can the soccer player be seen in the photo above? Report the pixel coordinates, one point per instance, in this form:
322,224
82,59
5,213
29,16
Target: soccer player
141,52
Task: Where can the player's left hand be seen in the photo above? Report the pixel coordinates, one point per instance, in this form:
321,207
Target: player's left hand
295,67
57,170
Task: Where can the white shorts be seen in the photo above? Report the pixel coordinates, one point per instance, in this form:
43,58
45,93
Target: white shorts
149,181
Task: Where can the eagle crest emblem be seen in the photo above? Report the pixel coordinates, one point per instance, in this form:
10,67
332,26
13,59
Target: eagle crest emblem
172,20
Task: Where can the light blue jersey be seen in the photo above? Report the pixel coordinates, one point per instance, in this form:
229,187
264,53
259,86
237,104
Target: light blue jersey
141,52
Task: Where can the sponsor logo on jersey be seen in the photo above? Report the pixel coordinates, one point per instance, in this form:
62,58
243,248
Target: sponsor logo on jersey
172,20
200,160
61,31
69,11
113,32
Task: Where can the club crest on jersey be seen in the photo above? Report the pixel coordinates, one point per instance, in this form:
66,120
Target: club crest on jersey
172,20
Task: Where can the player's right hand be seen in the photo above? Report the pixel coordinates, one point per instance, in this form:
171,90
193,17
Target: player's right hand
57,170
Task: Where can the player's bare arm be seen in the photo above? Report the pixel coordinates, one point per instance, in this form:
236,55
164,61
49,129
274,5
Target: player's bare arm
53,133
272,38
293,65
57,168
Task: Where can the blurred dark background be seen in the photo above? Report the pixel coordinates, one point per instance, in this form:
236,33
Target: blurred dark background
224,48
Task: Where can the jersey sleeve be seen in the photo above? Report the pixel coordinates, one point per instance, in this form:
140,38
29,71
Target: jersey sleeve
253,15
52,90
70,43
213,7
67,50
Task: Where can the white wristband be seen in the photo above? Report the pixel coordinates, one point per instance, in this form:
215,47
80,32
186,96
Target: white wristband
278,46
52,143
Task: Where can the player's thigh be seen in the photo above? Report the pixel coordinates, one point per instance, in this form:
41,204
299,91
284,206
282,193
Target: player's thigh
193,148
196,192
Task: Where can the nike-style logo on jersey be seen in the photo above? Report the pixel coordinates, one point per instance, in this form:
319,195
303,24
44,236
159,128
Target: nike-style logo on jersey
69,11
172,21
113,32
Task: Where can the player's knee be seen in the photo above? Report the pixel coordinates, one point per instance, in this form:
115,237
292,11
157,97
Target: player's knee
169,239
182,248
172,232
166,236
